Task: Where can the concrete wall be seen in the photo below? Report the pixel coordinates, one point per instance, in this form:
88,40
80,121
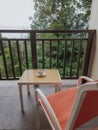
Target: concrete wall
93,24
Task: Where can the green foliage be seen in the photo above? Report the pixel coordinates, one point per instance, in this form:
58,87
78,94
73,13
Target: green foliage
61,14
46,53
15,58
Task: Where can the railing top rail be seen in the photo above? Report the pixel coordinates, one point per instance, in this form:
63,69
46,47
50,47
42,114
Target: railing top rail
46,31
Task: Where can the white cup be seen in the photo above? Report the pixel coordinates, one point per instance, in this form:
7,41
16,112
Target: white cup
40,72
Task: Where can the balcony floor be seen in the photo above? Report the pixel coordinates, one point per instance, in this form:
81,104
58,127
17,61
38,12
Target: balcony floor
11,117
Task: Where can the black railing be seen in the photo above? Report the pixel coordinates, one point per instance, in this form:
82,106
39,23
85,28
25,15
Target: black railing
67,50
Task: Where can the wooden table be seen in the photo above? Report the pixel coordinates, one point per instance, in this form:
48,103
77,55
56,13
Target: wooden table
29,77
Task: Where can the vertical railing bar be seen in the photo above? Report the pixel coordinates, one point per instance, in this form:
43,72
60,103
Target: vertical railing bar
33,49
64,58
43,54
26,54
50,54
91,34
57,53
78,58
12,62
19,59
71,58
4,60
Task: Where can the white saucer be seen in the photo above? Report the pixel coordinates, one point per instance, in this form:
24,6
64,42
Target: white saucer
41,75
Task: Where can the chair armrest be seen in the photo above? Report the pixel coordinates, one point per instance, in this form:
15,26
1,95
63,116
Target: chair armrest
79,82
47,109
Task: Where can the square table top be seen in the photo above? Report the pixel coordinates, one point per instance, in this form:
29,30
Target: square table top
29,76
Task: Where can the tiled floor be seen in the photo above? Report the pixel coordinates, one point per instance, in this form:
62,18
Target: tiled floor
11,117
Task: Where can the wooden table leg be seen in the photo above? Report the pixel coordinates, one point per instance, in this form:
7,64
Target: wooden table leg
57,88
21,98
28,89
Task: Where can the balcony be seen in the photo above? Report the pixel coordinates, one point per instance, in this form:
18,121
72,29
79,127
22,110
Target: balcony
22,52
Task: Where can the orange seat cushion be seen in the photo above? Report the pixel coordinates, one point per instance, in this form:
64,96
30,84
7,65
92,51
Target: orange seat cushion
61,103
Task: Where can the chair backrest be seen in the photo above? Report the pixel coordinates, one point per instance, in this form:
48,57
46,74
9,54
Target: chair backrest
85,106
48,111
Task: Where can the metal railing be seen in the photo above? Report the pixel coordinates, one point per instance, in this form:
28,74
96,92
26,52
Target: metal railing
67,50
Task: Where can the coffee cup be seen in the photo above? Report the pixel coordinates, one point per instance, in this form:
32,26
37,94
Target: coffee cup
40,72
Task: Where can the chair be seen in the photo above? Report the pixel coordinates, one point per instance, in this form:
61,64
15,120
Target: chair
70,108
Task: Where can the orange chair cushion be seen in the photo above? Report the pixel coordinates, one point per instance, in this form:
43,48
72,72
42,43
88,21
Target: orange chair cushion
89,108
61,103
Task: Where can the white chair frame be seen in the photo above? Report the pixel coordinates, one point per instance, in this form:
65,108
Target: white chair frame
82,89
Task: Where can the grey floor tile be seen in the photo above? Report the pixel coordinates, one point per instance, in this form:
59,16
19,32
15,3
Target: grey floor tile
11,117
7,107
3,91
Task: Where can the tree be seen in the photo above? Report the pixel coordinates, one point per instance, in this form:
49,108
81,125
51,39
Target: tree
0,35
61,14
